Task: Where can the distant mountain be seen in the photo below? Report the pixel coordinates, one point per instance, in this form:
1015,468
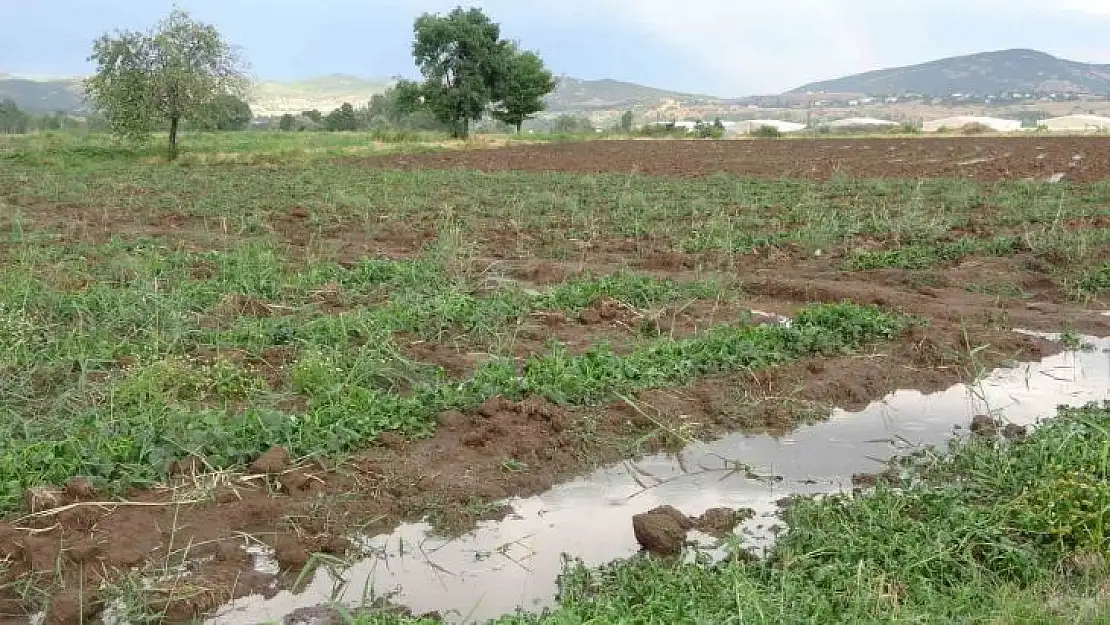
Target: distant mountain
574,94
325,93
45,95
986,73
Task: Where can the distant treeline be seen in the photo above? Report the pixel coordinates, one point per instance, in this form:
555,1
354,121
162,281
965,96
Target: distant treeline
225,113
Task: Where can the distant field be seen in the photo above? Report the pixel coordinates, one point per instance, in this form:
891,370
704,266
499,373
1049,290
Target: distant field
288,338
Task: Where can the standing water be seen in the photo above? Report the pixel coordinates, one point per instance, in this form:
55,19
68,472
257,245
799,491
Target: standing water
514,563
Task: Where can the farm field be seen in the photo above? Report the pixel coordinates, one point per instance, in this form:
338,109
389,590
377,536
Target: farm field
287,352
983,158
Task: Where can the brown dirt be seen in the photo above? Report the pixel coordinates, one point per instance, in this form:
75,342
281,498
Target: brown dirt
980,158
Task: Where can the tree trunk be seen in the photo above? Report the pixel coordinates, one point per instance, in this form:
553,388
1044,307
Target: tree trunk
173,137
465,130
519,127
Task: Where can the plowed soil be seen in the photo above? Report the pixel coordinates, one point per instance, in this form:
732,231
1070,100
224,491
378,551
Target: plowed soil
1080,159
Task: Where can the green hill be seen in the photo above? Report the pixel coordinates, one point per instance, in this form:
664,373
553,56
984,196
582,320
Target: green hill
985,73
324,93
574,94
43,96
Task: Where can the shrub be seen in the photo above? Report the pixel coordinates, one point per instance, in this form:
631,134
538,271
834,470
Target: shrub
975,128
767,132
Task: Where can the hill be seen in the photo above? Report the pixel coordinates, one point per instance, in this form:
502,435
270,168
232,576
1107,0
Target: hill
575,94
325,93
986,73
43,96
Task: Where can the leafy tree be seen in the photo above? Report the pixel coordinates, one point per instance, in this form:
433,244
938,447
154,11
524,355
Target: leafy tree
226,112
12,119
626,122
525,84
287,122
342,119
464,61
572,124
314,115
173,72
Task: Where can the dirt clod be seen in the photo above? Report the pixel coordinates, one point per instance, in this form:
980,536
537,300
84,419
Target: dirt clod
272,462
661,531
290,553
72,606
40,498
80,489
720,522
984,426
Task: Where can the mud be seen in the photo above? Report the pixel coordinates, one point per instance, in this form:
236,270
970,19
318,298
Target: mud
979,158
514,563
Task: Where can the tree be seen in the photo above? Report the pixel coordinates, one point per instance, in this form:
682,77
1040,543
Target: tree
626,122
314,115
287,122
173,72
523,88
12,119
225,112
572,124
342,119
464,61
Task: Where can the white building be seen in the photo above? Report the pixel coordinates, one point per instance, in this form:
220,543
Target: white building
954,124
1076,123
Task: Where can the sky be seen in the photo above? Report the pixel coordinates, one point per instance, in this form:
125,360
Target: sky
717,47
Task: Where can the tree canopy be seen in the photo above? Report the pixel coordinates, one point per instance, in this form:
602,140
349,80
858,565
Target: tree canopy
470,70
225,112
525,84
175,71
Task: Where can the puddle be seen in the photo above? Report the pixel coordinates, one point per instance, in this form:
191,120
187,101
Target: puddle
514,563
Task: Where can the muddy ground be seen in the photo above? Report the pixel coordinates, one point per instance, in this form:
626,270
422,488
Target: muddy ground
1080,159
78,540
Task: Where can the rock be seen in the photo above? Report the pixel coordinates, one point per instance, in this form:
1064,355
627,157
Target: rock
661,531
271,462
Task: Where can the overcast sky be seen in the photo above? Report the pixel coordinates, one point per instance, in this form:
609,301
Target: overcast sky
720,47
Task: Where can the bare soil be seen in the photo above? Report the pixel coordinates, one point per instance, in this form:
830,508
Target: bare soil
1080,159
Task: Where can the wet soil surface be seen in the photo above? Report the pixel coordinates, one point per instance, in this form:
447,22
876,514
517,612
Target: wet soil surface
1080,159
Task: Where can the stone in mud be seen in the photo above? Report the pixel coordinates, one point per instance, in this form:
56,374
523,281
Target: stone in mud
661,531
271,462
